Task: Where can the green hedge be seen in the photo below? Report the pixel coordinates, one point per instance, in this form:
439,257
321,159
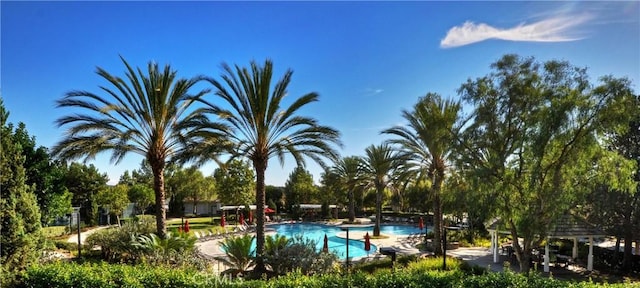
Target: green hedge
117,275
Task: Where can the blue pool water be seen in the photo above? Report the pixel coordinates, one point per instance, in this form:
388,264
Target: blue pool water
337,245
316,232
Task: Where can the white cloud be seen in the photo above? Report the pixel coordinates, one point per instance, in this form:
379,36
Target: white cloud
371,92
554,29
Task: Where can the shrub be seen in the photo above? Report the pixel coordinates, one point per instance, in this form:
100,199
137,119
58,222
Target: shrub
299,254
115,242
177,250
239,255
117,275
114,275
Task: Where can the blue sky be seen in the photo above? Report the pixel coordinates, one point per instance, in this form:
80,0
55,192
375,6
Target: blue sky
367,60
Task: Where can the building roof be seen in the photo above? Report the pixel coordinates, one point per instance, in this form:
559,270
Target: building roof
566,226
569,225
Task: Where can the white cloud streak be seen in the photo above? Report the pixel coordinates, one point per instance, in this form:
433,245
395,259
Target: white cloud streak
371,92
554,29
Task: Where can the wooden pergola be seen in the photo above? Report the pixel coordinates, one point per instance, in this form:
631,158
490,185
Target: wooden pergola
568,226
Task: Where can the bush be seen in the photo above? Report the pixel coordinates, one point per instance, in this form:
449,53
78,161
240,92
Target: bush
299,254
115,242
117,275
239,255
113,275
177,250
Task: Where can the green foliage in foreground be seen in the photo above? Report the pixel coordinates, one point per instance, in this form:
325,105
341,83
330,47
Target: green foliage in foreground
414,275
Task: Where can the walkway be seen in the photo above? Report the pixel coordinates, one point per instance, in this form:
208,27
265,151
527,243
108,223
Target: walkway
83,235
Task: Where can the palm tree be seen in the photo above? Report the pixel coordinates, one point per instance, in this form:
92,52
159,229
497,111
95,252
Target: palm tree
144,114
379,170
350,174
238,254
428,139
262,129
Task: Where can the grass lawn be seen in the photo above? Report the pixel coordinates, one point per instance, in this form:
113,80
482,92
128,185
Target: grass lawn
196,224
53,231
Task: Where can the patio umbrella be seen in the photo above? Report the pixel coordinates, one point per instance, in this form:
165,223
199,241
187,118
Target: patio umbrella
241,219
421,223
367,243
325,247
222,221
186,226
269,210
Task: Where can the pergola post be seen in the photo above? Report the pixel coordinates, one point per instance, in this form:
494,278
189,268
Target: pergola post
494,243
575,248
546,256
590,257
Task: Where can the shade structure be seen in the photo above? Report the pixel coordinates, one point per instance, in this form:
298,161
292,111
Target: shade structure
269,210
325,247
421,223
241,219
222,221
367,242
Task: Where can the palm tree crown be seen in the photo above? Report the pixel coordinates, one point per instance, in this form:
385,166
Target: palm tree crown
350,175
262,129
379,168
428,140
145,114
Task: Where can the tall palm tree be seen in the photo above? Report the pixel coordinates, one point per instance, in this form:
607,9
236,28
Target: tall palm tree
428,138
263,129
348,169
145,114
379,170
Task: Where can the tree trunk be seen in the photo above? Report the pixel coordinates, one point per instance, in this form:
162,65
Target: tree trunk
195,206
260,167
379,190
628,242
158,186
352,208
437,225
616,253
437,211
523,254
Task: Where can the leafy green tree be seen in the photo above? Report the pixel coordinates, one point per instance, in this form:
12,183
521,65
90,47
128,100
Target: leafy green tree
235,183
45,176
114,198
428,140
192,185
379,167
148,114
142,195
330,192
618,211
22,238
416,197
349,172
300,188
274,196
535,137
85,183
262,129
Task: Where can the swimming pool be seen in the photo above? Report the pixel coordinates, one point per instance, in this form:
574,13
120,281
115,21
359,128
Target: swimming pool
393,229
316,233
337,245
